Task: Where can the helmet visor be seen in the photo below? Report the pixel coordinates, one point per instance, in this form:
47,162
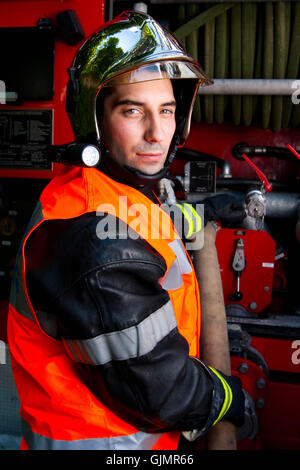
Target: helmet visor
161,70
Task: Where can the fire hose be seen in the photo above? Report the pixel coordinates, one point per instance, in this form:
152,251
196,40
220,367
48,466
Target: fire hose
214,348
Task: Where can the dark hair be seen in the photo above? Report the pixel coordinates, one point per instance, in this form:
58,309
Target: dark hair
102,95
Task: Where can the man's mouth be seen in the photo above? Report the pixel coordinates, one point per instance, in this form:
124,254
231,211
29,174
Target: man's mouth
153,157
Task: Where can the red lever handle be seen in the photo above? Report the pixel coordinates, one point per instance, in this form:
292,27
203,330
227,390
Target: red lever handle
293,151
260,174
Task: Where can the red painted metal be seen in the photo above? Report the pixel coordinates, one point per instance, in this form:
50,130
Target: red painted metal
219,140
260,174
293,151
279,418
251,378
277,405
256,279
279,354
24,13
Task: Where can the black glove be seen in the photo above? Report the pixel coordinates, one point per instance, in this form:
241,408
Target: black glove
224,208
242,410
236,412
230,402
231,385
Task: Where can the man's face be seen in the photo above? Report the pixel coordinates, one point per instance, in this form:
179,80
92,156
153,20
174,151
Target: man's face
139,123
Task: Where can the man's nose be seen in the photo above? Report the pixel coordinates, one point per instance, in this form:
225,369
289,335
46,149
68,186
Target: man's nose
154,129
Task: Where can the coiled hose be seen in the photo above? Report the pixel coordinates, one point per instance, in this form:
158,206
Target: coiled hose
244,40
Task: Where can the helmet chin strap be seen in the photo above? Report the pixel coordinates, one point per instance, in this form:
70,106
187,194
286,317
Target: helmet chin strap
134,177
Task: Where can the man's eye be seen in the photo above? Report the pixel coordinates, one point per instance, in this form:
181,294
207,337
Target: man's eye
167,111
131,111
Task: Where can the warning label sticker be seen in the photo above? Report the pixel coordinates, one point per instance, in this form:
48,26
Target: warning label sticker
24,139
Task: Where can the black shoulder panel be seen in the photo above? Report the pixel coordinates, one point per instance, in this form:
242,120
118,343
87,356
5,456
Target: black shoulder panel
87,265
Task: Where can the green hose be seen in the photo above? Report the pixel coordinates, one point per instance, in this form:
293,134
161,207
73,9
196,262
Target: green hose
258,59
280,53
236,59
248,54
181,18
201,19
245,40
267,67
192,10
209,58
293,64
220,64
296,116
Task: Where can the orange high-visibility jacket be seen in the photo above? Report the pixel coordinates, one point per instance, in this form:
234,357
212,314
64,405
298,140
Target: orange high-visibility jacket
58,410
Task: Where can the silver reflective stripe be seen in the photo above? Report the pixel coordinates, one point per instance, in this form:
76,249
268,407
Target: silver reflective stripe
178,249
137,441
181,265
17,294
135,341
173,279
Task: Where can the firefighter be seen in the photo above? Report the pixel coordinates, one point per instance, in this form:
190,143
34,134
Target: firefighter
104,316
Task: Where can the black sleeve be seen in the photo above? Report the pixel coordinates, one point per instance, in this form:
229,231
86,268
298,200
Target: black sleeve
119,328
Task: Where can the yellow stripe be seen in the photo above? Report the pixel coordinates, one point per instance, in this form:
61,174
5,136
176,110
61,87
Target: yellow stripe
228,397
188,218
196,215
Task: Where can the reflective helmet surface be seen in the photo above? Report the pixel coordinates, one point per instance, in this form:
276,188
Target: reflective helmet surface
116,54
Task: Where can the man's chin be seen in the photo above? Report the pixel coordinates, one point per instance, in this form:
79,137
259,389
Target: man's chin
149,169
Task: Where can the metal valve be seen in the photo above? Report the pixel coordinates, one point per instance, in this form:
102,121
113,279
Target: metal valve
256,207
